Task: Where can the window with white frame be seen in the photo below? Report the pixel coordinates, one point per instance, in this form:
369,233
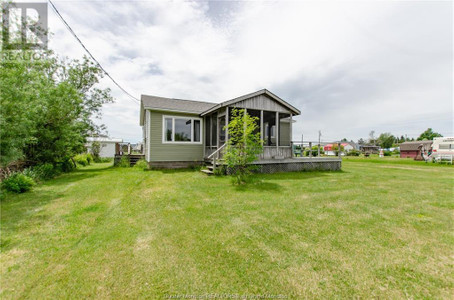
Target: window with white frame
181,130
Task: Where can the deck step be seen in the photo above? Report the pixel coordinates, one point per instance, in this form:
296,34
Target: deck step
208,172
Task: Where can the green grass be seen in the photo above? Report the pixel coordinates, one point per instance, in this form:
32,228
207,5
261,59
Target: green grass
372,230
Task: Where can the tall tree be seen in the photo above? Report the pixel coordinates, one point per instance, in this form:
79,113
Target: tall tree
386,140
429,135
47,107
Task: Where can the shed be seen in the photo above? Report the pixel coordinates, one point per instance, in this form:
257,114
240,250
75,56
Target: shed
411,149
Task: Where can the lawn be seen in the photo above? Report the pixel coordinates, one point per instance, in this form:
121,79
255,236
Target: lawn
375,229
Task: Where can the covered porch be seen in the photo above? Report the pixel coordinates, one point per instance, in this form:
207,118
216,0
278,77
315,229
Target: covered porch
275,129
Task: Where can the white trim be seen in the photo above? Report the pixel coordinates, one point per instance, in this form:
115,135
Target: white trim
173,130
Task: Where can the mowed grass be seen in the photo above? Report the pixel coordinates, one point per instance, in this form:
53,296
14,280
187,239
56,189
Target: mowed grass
372,230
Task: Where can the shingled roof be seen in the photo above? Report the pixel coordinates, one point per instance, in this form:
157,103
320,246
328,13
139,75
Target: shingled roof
413,146
190,106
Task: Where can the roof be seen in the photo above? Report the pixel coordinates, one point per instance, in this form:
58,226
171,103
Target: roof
244,97
190,106
104,139
413,146
200,107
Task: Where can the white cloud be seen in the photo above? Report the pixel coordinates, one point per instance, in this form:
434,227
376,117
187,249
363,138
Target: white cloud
351,67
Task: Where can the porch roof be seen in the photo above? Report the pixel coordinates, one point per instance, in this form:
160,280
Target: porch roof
293,109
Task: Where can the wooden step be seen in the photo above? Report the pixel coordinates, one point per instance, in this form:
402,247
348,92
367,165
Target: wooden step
208,172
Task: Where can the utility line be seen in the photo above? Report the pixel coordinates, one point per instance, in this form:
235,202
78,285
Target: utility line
89,53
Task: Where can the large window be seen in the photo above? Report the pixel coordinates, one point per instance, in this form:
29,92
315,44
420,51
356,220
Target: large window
181,130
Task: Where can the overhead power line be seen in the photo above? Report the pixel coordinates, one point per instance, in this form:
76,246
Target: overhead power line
89,53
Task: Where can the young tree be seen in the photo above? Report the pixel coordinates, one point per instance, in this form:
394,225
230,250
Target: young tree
429,135
244,144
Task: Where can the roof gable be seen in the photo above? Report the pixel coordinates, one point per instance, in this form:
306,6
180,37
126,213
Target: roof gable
263,92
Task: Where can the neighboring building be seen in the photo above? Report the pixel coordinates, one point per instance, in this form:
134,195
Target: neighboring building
370,149
329,148
179,133
412,149
107,145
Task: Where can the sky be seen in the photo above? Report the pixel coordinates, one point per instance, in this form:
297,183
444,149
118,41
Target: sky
350,67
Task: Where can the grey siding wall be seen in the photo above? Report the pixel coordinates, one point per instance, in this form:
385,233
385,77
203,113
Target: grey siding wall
171,152
261,102
284,134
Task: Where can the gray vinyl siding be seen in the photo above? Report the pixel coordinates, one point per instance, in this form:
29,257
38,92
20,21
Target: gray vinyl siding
172,152
284,134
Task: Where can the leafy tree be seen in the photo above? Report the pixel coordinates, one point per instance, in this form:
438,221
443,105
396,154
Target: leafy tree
429,135
386,140
244,144
47,107
361,141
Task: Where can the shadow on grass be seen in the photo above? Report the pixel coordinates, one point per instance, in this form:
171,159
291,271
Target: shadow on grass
258,185
21,210
172,171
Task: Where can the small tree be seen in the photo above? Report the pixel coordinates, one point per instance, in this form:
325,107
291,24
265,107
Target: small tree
244,144
95,150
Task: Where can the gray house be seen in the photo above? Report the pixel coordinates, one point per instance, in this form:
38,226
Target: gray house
180,133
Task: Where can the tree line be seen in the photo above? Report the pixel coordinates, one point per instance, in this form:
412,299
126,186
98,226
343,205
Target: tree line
388,140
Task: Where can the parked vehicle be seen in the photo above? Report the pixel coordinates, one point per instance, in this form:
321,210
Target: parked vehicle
443,149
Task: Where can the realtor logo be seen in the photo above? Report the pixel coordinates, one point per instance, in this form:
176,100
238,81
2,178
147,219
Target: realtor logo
24,26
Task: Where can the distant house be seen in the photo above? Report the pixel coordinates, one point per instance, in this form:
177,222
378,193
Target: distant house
411,149
107,145
329,148
370,149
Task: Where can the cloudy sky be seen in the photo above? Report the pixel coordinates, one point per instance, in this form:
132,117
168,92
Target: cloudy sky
351,67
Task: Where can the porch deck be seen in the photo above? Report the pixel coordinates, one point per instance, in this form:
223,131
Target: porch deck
295,164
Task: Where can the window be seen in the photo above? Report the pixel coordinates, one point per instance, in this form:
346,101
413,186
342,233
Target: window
181,130
445,146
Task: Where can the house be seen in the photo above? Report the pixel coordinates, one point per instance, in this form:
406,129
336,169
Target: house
369,149
412,149
329,148
180,133
107,145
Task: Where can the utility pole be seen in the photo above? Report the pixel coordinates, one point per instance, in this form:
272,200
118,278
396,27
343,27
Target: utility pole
302,140
319,135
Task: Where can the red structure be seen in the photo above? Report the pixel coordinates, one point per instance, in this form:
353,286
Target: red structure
412,149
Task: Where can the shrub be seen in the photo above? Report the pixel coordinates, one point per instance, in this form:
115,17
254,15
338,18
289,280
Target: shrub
82,159
90,158
314,151
387,153
45,171
18,183
124,162
354,152
67,165
141,164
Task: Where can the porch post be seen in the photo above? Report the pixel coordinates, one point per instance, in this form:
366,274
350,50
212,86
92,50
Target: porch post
226,124
277,131
310,149
261,127
204,135
290,134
